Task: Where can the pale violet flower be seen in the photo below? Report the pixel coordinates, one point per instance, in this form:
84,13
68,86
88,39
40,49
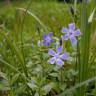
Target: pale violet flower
58,58
47,39
71,33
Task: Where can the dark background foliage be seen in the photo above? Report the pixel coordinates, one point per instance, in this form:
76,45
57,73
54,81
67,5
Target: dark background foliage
48,0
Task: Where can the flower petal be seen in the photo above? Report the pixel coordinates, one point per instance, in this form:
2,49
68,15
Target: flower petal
65,37
48,39
73,40
51,52
50,34
44,36
72,26
64,30
59,50
52,60
46,43
77,32
59,62
65,56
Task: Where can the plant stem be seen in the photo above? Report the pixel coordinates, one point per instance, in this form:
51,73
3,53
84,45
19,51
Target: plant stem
61,75
22,27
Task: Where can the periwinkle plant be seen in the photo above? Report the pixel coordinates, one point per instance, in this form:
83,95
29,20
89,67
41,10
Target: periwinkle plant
47,39
71,33
58,57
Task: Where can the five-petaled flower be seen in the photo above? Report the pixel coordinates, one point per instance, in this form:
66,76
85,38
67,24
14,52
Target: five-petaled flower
47,39
71,33
58,57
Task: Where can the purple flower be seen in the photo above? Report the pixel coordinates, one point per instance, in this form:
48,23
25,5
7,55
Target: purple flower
71,33
47,39
57,56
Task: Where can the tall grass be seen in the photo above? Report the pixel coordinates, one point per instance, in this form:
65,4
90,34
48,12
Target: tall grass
85,46
84,67
83,50
19,61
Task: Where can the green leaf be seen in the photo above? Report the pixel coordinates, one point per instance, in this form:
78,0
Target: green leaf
4,86
32,85
15,78
36,94
47,88
21,89
91,15
63,87
78,86
34,16
54,74
3,75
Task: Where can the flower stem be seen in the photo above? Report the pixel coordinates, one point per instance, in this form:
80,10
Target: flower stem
61,75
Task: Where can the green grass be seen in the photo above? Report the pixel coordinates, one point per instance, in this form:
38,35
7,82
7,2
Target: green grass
53,17
24,63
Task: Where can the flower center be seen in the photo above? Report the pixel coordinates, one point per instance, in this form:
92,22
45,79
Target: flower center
48,39
70,33
57,56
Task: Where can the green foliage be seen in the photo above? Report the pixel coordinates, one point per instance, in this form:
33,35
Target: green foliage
24,70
